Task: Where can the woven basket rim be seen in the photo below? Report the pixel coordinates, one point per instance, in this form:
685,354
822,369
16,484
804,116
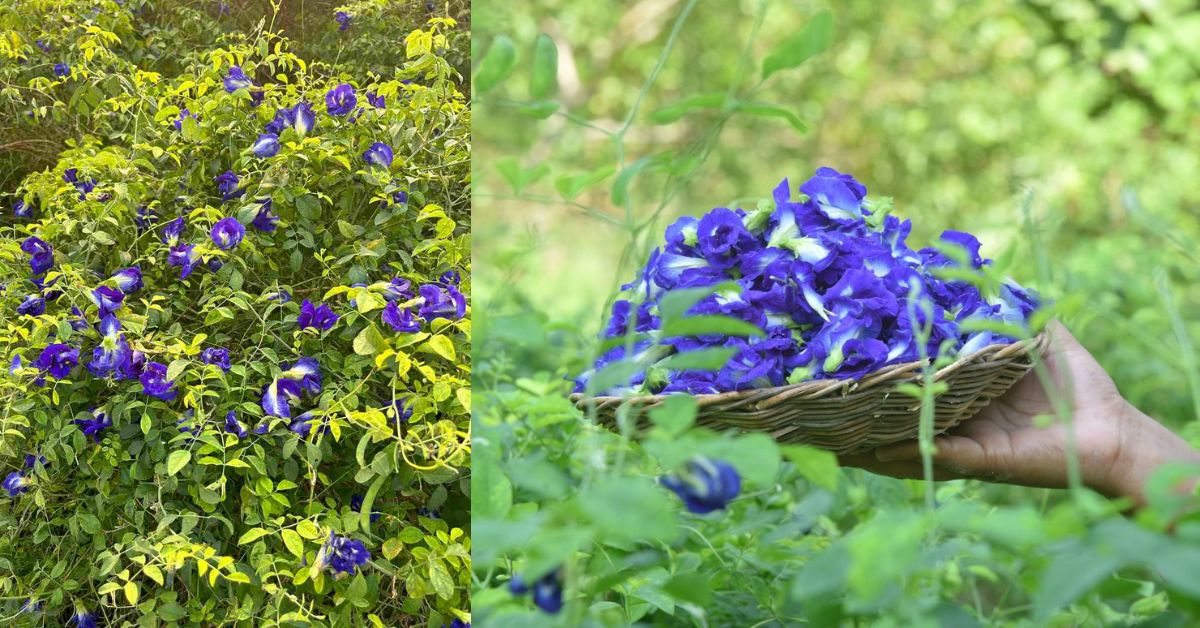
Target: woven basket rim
890,374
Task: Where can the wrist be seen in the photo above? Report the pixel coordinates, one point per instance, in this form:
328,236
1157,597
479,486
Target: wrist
1143,445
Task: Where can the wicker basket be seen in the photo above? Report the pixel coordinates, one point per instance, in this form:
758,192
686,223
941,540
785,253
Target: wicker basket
851,416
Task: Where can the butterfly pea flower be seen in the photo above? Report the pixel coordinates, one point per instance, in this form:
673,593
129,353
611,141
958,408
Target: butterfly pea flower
41,254
547,590
401,320
398,289
263,427
58,359
84,619
343,20
379,154
112,358
186,257
155,383
356,504
94,426
172,231
62,70
283,296
266,146
15,483
375,100
128,280
303,425
705,484
451,278
428,513
340,100
440,302
31,606
278,396
618,324
183,115
307,372
316,316
21,209
228,233
237,79
264,219
45,47
71,175
838,196
108,299
227,185
33,305
234,426
400,412
32,460
217,356
342,554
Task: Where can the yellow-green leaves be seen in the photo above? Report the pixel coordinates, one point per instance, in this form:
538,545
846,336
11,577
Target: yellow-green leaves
295,544
178,460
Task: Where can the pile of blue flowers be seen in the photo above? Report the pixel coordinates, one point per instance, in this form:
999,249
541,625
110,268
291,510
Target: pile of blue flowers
826,278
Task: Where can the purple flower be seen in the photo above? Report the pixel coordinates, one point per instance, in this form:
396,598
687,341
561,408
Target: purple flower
547,591
32,460
155,383
108,299
342,554
401,320
375,100
113,356
84,619
186,257
237,79
234,426
303,425
721,236
15,484
399,197
128,280
343,20
441,302
94,426
278,396
45,47
318,316
299,118
307,372
264,220
144,218
217,356
705,484
228,233
41,254
340,100
400,412
62,70
266,146
33,305
838,196
379,154
172,232
184,114
21,209
283,296
398,289
58,360
227,185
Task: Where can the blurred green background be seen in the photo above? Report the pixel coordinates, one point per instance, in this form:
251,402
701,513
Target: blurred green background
1070,123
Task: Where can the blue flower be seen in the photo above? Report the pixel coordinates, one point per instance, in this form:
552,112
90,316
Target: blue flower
342,554
184,114
400,412
308,372
343,20
172,232
618,324
283,296
113,356
303,425
21,209
440,302
128,280
278,396
319,317
144,219
155,383
375,100
186,257
58,360
228,233
401,320
399,197
62,70
340,100
379,154
237,79
721,236
15,484
356,504
108,299
264,220
838,196
299,118
547,591
227,185
71,175
33,305
217,356
398,289
31,606
32,460
267,145
84,619
234,426
41,254
45,47
450,278
94,426
705,484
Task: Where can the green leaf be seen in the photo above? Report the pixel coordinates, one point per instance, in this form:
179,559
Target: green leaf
570,186
711,359
814,38
178,460
817,465
442,346
491,490
131,592
629,509
368,503
175,369
295,544
145,424
620,190
715,324
675,111
439,577
496,65
767,110
308,530
519,177
154,573
251,535
369,341
544,78
675,415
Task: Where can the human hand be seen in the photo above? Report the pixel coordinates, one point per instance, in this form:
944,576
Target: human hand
1117,446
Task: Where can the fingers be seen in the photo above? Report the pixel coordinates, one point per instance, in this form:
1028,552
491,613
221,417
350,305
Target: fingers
898,465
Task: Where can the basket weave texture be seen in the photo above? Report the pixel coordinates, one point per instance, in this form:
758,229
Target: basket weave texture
852,416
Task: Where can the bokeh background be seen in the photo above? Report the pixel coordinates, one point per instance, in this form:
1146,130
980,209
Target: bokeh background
1069,129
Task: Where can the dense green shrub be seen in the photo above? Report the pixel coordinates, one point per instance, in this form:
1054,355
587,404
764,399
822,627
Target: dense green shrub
166,492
